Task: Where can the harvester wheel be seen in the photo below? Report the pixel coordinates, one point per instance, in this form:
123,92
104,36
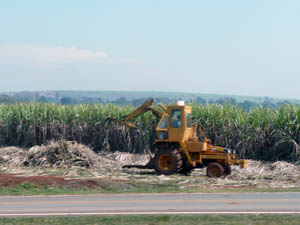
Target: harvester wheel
215,169
227,169
167,162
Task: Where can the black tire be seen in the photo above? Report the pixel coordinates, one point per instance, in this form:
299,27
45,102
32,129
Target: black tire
167,162
227,169
215,169
186,169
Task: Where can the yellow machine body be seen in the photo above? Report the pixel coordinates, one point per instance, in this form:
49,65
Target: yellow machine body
181,130
179,146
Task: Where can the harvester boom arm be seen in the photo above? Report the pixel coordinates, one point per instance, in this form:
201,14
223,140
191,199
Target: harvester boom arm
147,106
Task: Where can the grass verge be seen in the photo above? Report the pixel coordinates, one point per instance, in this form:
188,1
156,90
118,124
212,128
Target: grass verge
28,188
160,220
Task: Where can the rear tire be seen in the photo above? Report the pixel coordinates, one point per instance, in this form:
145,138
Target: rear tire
215,169
167,162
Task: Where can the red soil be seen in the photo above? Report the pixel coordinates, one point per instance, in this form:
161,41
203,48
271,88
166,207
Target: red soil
12,180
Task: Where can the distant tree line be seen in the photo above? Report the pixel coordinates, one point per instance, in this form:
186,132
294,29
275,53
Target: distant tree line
246,105
65,100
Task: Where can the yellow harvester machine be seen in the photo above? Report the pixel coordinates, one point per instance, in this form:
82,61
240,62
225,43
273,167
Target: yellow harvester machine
179,149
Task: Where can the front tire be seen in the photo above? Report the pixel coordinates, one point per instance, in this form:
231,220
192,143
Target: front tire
167,162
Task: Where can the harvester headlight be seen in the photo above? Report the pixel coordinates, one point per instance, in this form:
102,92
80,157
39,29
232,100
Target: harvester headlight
226,150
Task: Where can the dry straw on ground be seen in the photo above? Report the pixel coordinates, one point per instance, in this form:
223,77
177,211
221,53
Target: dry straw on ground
81,161
12,156
59,154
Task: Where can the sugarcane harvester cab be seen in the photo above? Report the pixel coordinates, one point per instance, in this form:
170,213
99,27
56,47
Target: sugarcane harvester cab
179,149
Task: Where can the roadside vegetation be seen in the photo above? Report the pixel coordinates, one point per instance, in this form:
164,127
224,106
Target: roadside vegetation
160,220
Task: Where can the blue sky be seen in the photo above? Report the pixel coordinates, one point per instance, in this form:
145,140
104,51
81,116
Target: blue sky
222,47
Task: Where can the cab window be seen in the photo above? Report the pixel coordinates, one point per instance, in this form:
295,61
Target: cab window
164,123
176,118
189,120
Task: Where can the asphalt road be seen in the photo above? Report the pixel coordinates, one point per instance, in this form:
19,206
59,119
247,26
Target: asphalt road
151,204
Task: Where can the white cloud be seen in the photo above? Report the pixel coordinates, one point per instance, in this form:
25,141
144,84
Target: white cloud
117,60
34,55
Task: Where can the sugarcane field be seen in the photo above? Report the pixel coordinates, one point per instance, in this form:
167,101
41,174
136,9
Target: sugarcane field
74,146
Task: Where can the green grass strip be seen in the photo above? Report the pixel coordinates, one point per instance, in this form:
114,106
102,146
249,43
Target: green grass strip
160,220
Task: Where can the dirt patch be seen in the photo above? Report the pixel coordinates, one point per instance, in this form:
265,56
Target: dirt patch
12,180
